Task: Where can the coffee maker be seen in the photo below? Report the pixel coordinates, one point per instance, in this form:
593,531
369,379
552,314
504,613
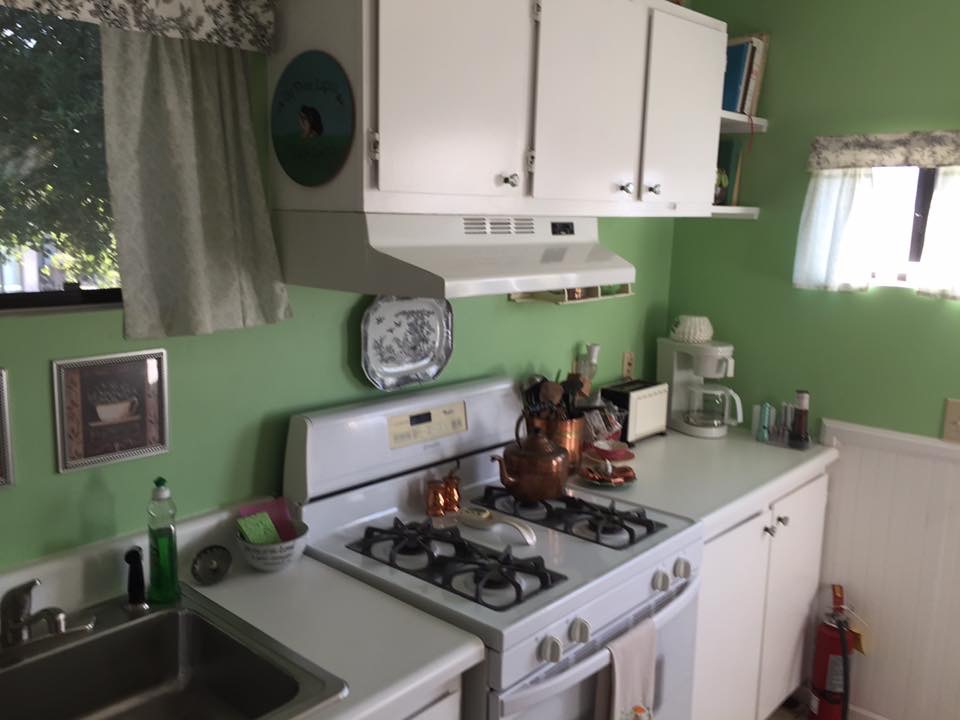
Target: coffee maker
695,407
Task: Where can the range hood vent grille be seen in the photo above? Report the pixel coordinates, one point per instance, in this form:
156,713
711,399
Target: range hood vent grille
475,225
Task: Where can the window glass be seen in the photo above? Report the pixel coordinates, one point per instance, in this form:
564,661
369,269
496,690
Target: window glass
55,221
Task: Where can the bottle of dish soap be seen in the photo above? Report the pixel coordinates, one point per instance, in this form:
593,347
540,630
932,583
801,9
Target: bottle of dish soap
161,514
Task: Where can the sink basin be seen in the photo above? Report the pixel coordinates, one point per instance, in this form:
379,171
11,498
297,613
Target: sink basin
194,661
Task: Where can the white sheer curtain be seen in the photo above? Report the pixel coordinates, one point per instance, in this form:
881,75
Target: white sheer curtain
856,228
832,243
939,272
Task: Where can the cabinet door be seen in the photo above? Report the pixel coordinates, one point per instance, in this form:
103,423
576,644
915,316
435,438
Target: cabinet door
792,584
729,625
682,120
447,708
454,91
589,99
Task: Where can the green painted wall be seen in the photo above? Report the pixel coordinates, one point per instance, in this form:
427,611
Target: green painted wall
887,357
231,393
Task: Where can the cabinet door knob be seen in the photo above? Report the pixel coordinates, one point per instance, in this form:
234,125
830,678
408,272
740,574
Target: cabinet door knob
783,520
627,188
513,179
655,189
770,530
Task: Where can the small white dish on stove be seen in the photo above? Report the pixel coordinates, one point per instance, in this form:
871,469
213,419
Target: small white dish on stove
406,340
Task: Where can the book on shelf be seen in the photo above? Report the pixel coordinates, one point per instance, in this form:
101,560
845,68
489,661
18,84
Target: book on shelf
746,62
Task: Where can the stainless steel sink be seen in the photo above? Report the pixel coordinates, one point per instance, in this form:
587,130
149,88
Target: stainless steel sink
192,661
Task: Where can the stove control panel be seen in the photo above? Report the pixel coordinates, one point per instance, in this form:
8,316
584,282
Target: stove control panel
426,425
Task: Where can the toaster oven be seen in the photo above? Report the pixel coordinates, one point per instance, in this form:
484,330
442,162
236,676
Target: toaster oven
645,405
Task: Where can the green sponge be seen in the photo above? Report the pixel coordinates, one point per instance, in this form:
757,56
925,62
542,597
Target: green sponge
258,529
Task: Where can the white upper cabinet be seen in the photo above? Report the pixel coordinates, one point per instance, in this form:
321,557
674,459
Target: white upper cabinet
682,123
454,80
589,99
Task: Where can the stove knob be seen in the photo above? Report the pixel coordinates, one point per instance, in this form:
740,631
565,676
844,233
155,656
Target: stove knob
661,581
580,631
682,569
550,649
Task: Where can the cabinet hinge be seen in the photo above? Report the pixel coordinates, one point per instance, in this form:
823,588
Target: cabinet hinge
537,10
374,140
531,160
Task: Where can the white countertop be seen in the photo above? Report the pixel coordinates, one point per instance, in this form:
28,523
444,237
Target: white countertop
382,648
710,479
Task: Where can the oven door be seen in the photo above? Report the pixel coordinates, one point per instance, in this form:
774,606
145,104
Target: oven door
568,691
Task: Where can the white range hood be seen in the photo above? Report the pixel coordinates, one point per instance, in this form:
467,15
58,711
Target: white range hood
444,255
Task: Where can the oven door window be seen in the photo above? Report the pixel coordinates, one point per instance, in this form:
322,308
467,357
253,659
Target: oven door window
568,691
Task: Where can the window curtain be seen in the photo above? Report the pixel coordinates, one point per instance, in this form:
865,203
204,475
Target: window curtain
195,245
831,245
244,24
939,272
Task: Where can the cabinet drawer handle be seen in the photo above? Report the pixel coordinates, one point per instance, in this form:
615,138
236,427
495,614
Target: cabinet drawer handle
655,189
627,188
513,179
783,520
770,530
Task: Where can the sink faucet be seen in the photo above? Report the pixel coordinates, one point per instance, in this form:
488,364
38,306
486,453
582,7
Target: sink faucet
17,619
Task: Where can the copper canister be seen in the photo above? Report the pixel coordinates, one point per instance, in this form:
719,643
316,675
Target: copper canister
451,493
436,498
568,434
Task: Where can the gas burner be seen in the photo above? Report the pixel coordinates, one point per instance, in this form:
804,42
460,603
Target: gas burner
411,545
496,580
575,516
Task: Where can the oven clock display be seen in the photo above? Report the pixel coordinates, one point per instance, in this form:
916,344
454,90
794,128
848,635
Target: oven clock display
427,425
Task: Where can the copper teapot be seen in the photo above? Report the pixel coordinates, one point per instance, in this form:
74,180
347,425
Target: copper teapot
534,469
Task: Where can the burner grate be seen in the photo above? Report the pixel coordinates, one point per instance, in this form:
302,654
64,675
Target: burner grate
496,580
604,525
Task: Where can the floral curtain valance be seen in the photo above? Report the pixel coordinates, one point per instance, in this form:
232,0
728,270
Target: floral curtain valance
939,148
244,24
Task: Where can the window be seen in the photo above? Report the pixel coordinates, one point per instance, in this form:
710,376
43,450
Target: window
881,226
56,241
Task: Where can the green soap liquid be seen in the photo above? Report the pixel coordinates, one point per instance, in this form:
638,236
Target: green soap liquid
164,585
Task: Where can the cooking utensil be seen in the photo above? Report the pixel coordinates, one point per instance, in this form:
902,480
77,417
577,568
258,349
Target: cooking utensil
534,469
483,519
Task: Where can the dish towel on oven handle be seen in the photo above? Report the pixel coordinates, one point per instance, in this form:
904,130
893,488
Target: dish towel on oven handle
625,692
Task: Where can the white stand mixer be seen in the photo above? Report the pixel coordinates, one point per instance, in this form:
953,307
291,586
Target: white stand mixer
697,408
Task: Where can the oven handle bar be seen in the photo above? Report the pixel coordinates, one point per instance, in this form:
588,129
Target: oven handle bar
591,665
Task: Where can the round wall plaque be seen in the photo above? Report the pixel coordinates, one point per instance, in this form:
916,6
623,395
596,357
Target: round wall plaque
312,119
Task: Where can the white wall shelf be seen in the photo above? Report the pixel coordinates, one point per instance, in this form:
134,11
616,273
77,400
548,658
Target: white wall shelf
738,212
732,123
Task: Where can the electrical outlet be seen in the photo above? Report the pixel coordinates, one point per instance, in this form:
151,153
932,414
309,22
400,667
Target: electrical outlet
951,421
629,361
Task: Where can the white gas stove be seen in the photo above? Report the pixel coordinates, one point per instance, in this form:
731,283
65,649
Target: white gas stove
544,610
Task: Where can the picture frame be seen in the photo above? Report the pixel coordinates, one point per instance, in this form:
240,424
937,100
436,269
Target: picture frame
110,408
6,447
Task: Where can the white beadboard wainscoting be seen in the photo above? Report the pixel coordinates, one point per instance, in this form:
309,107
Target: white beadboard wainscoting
893,540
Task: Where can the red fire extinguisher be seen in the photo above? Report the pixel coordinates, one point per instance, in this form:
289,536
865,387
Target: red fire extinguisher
831,663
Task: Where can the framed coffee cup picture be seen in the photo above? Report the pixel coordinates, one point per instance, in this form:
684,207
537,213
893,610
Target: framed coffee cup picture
110,408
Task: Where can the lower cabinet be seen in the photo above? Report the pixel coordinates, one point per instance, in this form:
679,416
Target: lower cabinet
759,592
446,708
